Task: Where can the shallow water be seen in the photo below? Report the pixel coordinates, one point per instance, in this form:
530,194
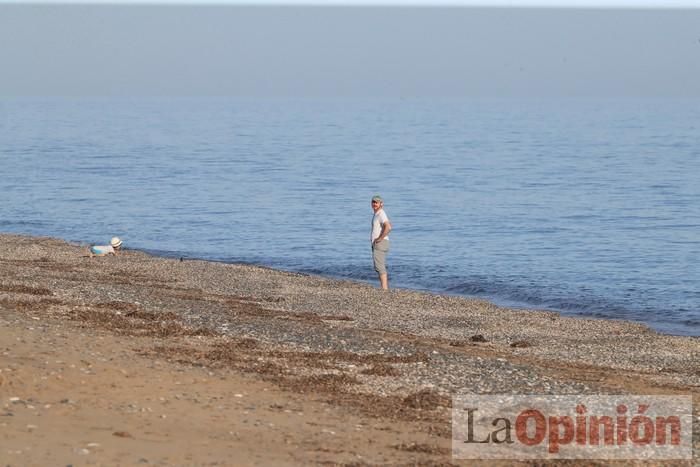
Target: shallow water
587,207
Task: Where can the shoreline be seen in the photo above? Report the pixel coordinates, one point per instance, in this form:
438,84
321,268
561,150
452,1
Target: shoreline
345,350
496,301
500,302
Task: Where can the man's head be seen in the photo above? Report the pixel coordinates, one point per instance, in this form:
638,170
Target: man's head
377,203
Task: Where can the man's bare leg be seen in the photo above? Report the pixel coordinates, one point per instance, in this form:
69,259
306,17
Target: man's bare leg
384,281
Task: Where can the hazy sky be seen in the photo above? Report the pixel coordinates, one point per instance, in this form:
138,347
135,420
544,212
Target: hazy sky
487,3
239,50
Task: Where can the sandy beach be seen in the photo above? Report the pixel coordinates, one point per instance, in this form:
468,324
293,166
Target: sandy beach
142,360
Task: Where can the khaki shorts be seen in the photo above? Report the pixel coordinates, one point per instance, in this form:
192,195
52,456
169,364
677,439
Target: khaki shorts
379,252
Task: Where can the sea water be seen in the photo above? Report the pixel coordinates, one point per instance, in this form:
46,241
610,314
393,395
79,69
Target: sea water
588,207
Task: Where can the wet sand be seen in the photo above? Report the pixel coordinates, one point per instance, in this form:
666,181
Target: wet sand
138,359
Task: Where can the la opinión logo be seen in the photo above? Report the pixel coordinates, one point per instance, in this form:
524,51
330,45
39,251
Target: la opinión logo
592,427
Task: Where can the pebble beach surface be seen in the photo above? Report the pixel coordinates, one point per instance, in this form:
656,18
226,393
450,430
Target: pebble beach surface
398,355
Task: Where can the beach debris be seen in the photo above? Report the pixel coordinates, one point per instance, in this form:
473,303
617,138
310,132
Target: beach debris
426,399
122,434
478,338
520,344
380,369
422,448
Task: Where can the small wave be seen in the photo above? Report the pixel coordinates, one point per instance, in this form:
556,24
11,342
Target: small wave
692,323
468,289
348,271
532,296
21,224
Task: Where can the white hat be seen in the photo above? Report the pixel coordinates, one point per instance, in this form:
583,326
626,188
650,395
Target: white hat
115,242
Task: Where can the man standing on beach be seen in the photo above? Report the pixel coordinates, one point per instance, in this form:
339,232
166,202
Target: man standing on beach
380,240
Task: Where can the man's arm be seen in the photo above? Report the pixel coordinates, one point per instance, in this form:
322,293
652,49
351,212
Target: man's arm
386,228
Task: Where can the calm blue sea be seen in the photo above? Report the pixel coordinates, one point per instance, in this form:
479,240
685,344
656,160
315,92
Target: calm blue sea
589,207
